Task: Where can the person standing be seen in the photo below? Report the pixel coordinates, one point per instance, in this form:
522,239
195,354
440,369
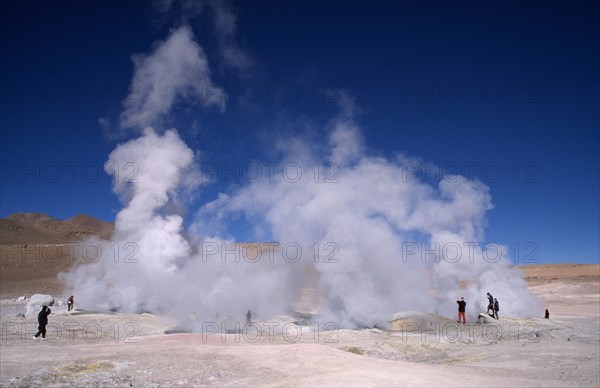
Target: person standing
490,305
42,322
496,308
70,303
461,310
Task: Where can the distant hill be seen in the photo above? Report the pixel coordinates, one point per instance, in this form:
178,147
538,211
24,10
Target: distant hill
40,228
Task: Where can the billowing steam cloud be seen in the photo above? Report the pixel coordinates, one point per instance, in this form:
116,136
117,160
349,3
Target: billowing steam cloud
149,266
369,236
177,69
403,245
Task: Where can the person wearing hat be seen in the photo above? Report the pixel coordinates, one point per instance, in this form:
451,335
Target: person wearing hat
461,310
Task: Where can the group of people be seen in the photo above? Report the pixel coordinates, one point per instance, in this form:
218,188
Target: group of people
493,306
43,318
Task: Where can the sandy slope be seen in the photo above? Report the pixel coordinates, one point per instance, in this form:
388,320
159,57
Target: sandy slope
34,248
41,228
571,289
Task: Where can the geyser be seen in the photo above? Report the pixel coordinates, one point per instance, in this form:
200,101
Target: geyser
348,236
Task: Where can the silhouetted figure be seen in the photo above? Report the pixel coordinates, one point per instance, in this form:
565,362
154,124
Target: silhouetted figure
547,314
496,308
42,322
461,310
248,317
490,305
70,303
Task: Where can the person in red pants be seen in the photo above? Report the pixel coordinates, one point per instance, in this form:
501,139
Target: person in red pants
461,310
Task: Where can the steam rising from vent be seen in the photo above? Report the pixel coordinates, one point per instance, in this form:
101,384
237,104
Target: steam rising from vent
374,240
386,223
177,70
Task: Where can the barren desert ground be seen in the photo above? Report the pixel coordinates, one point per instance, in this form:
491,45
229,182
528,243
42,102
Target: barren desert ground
417,349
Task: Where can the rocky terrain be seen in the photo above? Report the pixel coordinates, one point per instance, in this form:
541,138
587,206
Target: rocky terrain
34,248
40,228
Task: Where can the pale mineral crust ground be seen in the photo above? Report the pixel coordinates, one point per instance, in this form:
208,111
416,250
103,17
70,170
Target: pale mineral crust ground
416,349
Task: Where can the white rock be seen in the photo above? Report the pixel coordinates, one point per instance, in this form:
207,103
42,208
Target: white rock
485,318
36,302
21,299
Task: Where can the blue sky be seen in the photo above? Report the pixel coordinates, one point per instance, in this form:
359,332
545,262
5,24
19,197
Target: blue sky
503,92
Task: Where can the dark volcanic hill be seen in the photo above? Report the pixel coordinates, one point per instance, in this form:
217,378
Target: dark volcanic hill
40,228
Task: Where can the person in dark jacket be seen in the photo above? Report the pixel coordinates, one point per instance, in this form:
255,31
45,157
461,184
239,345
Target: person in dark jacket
70,303
496,308
42,322
490,305
461,310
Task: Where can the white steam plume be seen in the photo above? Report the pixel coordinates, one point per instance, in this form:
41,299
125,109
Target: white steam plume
365,214
177,69
149,266
222,15
374,213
